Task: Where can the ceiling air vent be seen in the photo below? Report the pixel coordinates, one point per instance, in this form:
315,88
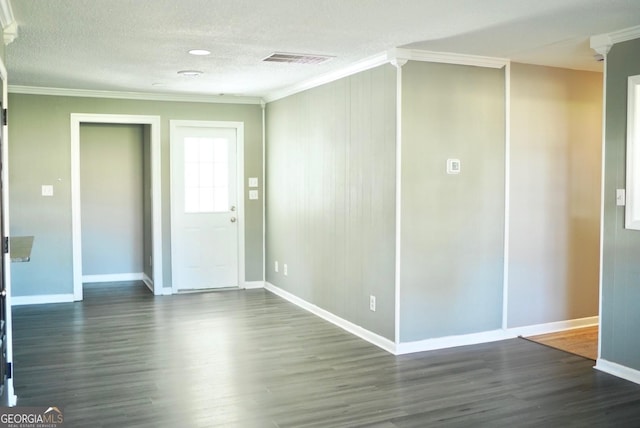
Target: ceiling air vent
297,58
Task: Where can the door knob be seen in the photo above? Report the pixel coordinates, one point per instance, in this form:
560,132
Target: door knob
233,219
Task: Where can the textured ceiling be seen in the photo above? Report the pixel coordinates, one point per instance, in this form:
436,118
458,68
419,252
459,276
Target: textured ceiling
130,45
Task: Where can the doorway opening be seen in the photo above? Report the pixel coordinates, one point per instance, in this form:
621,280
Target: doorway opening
151,133
114,198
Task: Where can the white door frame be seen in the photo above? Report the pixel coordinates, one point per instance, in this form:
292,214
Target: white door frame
9,394
156,195
239,127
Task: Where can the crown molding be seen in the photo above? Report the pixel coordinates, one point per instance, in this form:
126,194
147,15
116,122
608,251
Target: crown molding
363,65
8,22
86,93
399,54
397,57
602,43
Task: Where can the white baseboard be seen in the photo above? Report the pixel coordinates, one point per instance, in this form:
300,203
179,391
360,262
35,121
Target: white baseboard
452,341
41,299
435,343
618,370
116,277
250,285
147,281
493,336
552,327
352,328
167,291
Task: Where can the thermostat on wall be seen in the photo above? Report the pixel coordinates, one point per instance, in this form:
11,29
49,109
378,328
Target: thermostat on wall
453,166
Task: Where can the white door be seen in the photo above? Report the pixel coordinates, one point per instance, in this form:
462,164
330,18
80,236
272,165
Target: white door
204,209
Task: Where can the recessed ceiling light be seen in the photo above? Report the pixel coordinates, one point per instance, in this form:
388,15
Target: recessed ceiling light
190,73
199,52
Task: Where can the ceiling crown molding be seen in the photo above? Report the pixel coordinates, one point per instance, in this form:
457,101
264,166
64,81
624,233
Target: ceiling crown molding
85,93
396,57
401,54
602,43
8,22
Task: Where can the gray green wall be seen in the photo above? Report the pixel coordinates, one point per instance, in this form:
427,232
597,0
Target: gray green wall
620,317
111,196
554,235
39,134
330,196
452,225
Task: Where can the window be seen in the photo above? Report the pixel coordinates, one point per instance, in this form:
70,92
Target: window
206,175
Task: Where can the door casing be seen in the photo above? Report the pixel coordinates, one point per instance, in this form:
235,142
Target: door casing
156,195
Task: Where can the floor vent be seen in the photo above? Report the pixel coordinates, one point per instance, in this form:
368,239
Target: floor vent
297,58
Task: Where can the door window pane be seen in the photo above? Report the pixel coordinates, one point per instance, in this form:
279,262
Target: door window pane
206,178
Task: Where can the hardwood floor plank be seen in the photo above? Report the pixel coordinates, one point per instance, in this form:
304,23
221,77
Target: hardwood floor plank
580,341
124,358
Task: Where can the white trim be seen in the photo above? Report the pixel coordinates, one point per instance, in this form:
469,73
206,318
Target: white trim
601,43
113,277
42,299
602,199
352,328
507,194
88,93
167,291
8,22
492,336
396,54
398,256
435,343
253,285
239,127
10,395
6,13
264,191
363,65
446,58
452,341
156,193
147,281
618,370
632,208
552,327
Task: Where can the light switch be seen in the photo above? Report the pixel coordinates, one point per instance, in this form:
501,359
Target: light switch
253,182
47,190
620,197
453,166
253,194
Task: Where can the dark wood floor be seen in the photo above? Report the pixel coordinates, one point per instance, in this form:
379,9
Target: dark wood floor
123,358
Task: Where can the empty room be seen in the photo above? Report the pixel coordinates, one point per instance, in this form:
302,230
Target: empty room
329,214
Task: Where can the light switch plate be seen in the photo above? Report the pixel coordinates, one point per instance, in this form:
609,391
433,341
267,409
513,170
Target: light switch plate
253,195
47,190
620,197
253,181
453,166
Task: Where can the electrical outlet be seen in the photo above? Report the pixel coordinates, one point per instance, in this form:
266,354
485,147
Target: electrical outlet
372,303
275,266
286,272
47,190
150,261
